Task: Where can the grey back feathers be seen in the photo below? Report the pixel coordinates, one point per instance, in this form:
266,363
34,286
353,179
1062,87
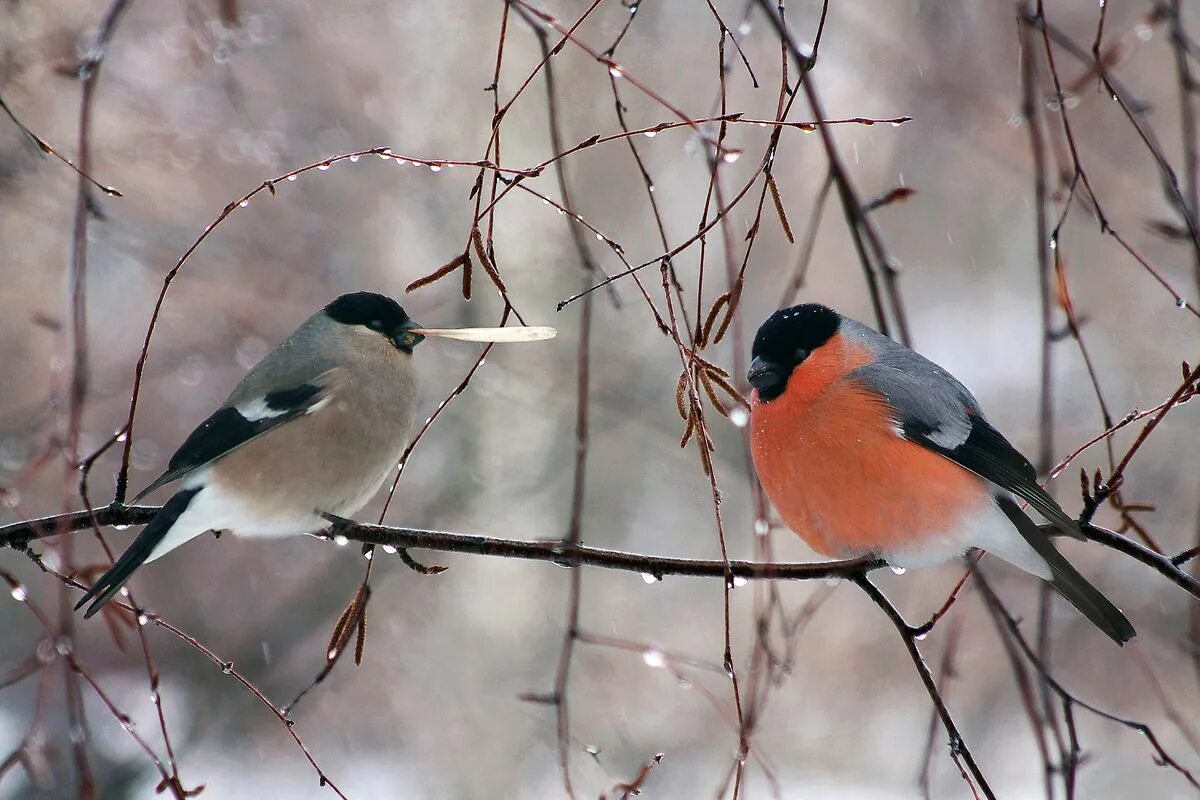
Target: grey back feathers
935,410
931,402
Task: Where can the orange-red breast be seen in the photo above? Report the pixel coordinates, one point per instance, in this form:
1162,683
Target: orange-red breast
867,448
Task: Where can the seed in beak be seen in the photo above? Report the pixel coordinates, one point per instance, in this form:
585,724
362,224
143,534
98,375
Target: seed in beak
532,333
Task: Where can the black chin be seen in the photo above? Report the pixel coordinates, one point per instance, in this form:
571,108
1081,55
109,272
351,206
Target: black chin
770,386
768,377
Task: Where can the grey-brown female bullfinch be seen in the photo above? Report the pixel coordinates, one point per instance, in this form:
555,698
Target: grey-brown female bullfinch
867,448
314,428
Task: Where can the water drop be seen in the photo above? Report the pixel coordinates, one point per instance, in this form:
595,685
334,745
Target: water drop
654,658
744,27
124,592
652,188
143,619
120,527
291,177
402,162
731,156
244,203
920,637
739,416
19,593
616,71
738,581
332,654
368,555
1180,303
435,167
599,238
897,124
761,527
323,167
1053,244
648,578
340,540
545,201
353,159
899,570
650,134
121,436
154,698
391,551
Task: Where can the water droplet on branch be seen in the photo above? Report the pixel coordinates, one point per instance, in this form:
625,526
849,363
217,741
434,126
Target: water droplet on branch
654,658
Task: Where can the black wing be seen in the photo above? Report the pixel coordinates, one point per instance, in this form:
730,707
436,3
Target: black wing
938,413
233,426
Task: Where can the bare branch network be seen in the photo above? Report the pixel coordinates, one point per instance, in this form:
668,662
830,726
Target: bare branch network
691,289
565,553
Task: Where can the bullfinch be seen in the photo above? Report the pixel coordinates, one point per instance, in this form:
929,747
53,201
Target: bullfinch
311,432
867,448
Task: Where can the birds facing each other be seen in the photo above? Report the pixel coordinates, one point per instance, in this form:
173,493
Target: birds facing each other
311,432
867,448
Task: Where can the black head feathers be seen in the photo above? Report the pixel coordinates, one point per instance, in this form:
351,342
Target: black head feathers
785,340
376,312
372,310
795,331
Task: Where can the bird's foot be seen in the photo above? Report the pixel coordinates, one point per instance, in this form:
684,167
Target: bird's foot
338,524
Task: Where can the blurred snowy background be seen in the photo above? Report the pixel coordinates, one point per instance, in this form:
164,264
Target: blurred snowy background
192,112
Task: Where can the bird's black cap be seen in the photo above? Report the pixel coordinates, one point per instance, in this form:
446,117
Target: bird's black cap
367,308
784,341
377,312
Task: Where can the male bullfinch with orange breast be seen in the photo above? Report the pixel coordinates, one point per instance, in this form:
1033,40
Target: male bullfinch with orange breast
867,448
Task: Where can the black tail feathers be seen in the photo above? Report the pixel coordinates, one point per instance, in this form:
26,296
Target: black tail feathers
1067,580
111,582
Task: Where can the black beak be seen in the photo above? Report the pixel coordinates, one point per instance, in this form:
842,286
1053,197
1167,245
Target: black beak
404,338
765,375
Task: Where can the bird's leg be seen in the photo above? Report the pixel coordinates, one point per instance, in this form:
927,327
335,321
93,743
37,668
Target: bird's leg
336,523
341,523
